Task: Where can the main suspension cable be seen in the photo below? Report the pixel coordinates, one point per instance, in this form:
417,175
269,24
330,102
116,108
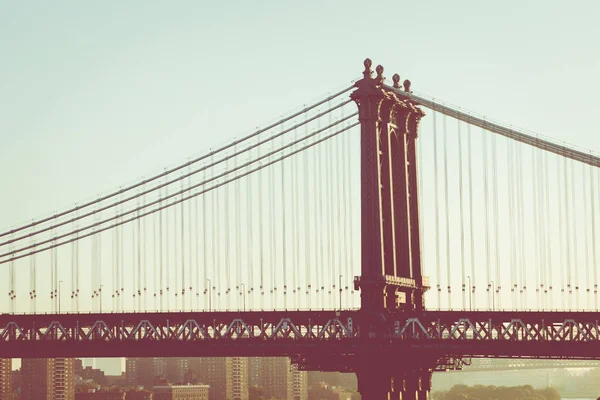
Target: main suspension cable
177,168
189,189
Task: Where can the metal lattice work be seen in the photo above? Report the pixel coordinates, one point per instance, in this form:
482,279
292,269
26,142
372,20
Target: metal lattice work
316,335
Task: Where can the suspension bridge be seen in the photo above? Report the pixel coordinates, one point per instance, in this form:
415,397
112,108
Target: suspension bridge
331,237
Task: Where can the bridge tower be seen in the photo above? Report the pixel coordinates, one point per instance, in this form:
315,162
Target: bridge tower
391,275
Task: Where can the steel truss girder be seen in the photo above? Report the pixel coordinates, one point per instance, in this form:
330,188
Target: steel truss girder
554,335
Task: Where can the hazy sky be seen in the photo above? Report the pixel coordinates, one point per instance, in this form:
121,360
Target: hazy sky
96,95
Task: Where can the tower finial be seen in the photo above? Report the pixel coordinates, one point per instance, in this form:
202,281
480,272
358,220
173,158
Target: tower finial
379,71
396,80
367,73
407,86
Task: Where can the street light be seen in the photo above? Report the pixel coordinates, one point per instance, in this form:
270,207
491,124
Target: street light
493,296
470,295
59,283
209,296
340,292
243,293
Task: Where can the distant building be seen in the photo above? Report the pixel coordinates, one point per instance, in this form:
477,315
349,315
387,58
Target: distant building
254,366
181,392
139,395
104,395
279,379
142,371
77,366
6,390
211,371
227,377
175,369
94,374
237,378
48,379
299,384
16,383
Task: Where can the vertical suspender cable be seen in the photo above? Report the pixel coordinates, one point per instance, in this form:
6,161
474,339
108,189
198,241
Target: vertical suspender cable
462,229
272,231
536,221
284,233
562,272
542,226
76,276
99,265
548,274
345,246
217,235
144,258
250,212
139,259
227,234
294,225
238,230
340,193
307,227
207,288
196,266
321,220
73,271
160,247
176,257
297,288
568,232
437,211
261,243
182,212
511,222
32,280
593,226
498,287
190,248
317,231
585,235
521,218
121,263
350,210
487,218
155,260
575,242
329,215
167,256
447,211
472,235
213,241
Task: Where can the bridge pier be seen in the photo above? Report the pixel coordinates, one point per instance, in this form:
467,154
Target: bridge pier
375,382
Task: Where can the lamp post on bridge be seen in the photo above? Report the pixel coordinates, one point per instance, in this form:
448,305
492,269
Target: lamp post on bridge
493,296
209,296
243,293
59,284
470,294
340,292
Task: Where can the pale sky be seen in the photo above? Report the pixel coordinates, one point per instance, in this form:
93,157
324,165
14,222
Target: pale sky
96,95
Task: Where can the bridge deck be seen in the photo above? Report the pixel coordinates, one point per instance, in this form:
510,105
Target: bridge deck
573,335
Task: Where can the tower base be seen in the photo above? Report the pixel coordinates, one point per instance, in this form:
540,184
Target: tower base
378,382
